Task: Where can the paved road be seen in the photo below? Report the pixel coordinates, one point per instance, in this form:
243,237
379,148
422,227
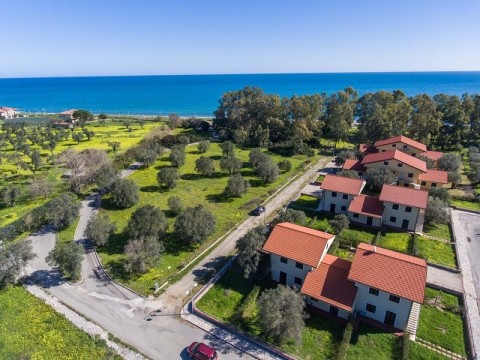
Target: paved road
176,295
466,229
445,279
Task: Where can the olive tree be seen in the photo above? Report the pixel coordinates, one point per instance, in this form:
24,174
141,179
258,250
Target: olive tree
142,254
68,258
436,212
124,193
195,224
203,146
168,176
339,223
282,315
175,205
14,257
290,215
231,164
267,170
249,248
147,221
99,229
237,186
449,162
177,156
204,166
62,210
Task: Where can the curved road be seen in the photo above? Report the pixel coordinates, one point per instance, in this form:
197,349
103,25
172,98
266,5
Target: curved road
152,326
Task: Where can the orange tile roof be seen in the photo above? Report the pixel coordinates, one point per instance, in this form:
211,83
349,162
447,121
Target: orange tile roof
403,139
298,243
367,149
397,155
405,196
367,205
433,155
342,184
353,164
398,274
329,283
437,176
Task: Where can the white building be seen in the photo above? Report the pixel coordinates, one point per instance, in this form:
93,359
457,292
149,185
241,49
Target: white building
8,112
404,208
338,192
295,251
383,285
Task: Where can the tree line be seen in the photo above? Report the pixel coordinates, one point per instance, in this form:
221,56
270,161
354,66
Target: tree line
253,118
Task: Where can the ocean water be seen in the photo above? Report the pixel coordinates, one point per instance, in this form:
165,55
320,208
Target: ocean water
199,94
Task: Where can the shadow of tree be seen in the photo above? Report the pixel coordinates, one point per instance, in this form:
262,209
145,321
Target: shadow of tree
151,188
218,198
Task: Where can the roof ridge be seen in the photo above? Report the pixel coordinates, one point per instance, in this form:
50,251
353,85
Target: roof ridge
299,230
391,257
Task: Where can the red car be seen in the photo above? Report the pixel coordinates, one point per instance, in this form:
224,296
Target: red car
200,351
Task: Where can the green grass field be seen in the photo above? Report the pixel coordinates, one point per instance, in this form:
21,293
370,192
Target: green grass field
193,189
9,175
372,343
436,252
465,204
440,324
441,231
306,201
396,241
30,329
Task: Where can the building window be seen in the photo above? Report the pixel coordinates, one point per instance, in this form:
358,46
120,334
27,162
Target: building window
355,215
424,183
405,185
394,145
400,165
385,163
405,146
333,310
395,206
371,308
393,219
298,280
434,185
410,175
284,260
313,299
408,209
345,196
394,298
373,291
344,208
334,194
299,265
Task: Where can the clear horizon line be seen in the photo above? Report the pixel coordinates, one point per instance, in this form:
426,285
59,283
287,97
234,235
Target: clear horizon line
240,74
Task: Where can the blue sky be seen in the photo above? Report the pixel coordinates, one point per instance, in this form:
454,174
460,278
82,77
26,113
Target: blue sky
123,37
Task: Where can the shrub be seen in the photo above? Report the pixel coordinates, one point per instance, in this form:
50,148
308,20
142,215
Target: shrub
339,223
175,205
68,258
347,337
203,146
124,193
290,215
285,165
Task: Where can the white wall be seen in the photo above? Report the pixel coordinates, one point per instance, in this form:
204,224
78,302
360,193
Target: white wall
289,268
402,309
400,214
400,172
326,307
339,201
362,219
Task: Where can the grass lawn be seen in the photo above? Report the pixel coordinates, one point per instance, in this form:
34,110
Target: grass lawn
465,204
68,233
372,343
320,337
30,329
352,236
419,352
10,175
436,252
396,241
344,254
439,325
441,231
193,189
306,201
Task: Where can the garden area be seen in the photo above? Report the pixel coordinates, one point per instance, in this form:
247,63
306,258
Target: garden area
30,329
305,201
233,301
441,321
192,189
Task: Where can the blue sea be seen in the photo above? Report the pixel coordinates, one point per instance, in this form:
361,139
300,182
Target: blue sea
198,95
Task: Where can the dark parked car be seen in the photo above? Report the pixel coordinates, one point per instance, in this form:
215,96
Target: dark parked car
258,211
200,351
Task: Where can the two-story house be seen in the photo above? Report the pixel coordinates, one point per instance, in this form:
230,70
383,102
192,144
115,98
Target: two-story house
338,192
366,210
294,251
390,285
406,167
433,178
402,143
403,207
381,284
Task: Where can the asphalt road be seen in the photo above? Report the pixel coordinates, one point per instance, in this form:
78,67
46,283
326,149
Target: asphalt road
471,228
